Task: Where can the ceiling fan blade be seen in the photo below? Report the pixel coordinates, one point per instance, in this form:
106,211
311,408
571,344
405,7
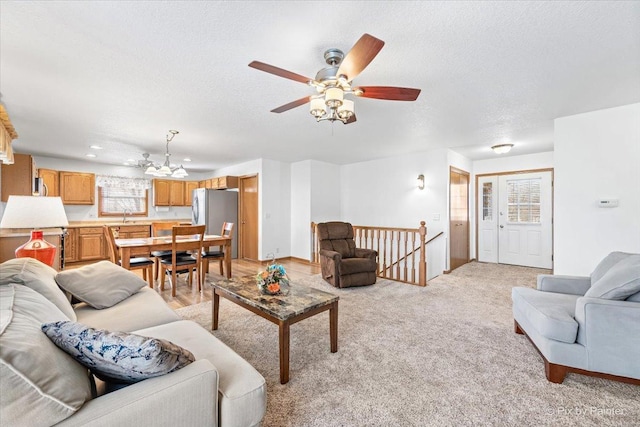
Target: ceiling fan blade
351,119
279,72
389,92
294,104
360,55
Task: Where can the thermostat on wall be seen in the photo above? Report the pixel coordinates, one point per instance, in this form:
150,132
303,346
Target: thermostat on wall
608,203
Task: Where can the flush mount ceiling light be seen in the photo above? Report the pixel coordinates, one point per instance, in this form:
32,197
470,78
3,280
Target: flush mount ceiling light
502,148
335,81
164,169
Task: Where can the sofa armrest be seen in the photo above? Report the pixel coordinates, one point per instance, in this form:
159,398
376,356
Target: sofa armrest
609,331
188,396
331,254
366,253
574,285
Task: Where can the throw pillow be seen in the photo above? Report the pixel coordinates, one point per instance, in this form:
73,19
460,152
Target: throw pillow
620,282
38,276
117,357
101,285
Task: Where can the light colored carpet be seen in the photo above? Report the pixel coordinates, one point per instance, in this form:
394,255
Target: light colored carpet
444,355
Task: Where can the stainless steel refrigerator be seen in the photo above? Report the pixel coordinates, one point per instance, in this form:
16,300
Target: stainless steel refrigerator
212,208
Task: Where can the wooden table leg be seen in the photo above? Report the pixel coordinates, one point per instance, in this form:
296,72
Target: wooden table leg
284,352
333,326
215,308
227,259
125,257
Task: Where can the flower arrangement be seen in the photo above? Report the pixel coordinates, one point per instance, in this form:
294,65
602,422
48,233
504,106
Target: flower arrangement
273,279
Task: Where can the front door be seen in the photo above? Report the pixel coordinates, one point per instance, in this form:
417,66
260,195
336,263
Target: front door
458,218
248,230
525,219
487,218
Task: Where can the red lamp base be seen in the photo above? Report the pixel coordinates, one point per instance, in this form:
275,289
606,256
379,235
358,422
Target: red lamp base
37,248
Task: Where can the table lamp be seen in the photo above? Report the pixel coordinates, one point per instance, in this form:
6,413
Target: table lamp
37,213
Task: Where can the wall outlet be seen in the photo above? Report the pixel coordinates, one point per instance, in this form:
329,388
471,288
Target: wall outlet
435,217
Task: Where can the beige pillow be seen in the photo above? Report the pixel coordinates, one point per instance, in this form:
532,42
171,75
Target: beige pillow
38,276
41,384
101,285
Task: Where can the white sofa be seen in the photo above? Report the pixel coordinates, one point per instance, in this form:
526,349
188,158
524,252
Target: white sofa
43,385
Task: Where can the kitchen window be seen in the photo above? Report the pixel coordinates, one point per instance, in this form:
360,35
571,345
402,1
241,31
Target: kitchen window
122,196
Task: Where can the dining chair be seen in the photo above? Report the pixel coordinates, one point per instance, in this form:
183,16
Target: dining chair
217,255
161,229
135,263
183,238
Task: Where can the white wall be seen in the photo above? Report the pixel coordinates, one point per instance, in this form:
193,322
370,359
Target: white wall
384,192
597,155
276,209
300,209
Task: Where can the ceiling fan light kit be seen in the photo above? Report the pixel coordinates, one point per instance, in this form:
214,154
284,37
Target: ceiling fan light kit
165,168
335,81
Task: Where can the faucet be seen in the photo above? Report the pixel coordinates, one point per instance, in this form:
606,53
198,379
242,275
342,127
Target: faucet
124,215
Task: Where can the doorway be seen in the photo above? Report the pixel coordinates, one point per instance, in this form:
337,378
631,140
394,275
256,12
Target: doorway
248,230
458,218
515,218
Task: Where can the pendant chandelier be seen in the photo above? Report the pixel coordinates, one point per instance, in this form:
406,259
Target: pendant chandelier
165,169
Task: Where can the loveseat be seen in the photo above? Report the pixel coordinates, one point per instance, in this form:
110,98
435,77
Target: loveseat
588,325
43,385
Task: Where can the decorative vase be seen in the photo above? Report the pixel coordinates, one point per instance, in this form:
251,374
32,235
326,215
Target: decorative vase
37,248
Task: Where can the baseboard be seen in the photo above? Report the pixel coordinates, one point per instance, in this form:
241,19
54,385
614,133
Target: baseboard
288,258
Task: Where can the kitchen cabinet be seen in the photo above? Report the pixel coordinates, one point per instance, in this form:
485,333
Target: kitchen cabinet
189,186
77,188
18,178
169,192
50,182
71,245
91,244
176,193
225,182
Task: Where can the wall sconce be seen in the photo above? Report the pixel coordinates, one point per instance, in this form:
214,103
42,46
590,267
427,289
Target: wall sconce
421,182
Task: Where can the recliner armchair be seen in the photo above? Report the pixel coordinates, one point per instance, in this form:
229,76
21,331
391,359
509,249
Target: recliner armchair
586,325
343,265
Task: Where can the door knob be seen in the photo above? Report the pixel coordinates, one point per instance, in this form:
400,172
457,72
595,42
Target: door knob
502,226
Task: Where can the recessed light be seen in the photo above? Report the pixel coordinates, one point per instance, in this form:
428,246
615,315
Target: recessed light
91,155
96,147
186,159
131,161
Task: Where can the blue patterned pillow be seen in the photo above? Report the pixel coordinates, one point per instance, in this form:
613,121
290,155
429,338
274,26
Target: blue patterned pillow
117,357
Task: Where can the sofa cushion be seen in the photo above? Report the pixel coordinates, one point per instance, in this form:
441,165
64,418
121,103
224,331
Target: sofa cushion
635,297
605,265
242,390
551,314
41,384
101,285
119,357
38,276
141,310
620,282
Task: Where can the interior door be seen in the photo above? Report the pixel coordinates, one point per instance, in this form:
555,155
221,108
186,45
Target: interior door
248,230
488,219
458,218
525,219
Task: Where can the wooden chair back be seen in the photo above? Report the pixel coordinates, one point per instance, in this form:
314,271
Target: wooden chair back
159,229
183,232
114,256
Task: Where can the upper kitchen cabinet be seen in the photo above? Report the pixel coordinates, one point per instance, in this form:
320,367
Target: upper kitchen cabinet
17,179
77,188
50,182
161,191
176,193
169,192
189,186
225,182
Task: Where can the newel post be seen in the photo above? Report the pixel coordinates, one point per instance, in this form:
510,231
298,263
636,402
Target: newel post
314,252
422,266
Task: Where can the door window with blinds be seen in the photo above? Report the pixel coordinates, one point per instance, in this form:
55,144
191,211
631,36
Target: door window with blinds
120,195
523,200
487,201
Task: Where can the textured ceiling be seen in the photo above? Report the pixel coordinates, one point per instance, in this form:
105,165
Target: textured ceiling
121,74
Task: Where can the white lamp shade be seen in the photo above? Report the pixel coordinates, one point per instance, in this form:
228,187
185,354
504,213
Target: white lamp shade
151,170
333,96
502,148
34,212
346,110
164,170
317,107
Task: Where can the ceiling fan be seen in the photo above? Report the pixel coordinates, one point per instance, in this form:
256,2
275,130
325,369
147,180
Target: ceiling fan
335,81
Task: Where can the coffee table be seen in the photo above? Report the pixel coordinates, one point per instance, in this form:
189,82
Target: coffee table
284,310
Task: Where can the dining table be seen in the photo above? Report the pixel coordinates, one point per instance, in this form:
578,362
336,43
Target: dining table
163,243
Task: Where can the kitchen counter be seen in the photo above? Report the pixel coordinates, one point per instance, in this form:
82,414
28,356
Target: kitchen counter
80,224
